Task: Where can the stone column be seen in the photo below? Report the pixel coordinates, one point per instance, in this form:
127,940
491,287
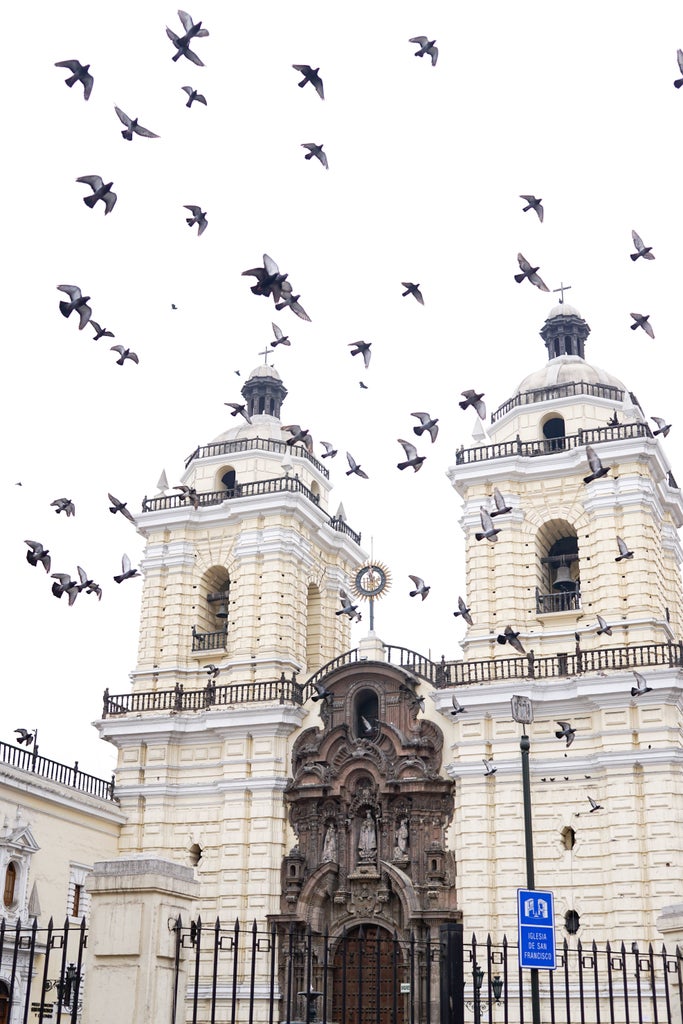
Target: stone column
131,945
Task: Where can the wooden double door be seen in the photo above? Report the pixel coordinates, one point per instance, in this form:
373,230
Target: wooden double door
371,980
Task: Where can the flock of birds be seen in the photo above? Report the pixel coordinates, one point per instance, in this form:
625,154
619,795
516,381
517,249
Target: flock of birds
270,282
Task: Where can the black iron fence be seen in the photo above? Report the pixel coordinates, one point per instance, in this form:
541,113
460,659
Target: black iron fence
42,972
272,691
550,445
555,391
371,975
55,771
263,444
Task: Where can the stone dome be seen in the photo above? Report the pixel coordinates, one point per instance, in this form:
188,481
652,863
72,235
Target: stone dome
264,371
567,370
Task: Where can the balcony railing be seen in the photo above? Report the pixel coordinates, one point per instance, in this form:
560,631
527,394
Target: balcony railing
550,394
440,674
559,601
209,641
263,444
55,771
277,691
551,445
255,487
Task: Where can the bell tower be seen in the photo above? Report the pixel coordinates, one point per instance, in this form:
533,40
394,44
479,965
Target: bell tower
242,570
555,565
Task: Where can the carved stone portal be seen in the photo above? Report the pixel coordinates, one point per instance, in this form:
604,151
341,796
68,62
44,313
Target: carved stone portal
370,809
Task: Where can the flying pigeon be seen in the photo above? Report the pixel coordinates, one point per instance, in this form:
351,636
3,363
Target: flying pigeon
64,585
363,385
464,611
132,127
310,75
238,410
412,458
414,290
603,627
348,607
488,530
269,280
474,399
623,550
213,672
38,554
596,466
127,572
101,332
64,505
280,338
292,301
641,320
80,74
320,693
420,589
182,43
594,806
641,688
78,302
119,506
24,736
188,494
501,508
663,427
529,273
426,423
361,348
418,702
330,450
508,636
198,217
124,353
679,81
87,584
533,204
355,467
315,150
100,191
642,250
489,766
426,46
368,727
458,709
299,435
193,96
566,733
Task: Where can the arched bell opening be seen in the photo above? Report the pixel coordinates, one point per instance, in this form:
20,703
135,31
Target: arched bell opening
558,572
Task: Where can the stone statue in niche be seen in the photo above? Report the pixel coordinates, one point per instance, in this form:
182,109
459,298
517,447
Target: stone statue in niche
402,836
367,839
329,853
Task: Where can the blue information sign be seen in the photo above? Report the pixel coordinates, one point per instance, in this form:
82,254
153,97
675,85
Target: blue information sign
536,929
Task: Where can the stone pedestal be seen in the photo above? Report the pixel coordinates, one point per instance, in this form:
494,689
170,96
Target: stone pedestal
135,902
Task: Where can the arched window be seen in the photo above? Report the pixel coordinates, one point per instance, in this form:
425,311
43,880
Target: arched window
367,711
212,610
554,433
10,884
228,480
558,586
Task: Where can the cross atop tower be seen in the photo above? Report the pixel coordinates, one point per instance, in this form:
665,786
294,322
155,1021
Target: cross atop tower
562,289
265,355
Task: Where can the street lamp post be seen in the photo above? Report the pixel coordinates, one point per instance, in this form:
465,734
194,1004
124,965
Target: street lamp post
522,712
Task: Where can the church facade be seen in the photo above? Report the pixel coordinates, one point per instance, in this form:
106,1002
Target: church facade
314,786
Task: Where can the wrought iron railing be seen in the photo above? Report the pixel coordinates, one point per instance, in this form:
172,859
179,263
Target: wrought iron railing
55,771
263,444
558,601
255,487
551,445
56,961
275,691
371,973
549,394
216,641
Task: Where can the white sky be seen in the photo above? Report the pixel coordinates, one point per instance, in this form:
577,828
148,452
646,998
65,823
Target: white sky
573,103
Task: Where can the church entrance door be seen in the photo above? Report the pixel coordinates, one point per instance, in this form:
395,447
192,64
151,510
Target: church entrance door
368,970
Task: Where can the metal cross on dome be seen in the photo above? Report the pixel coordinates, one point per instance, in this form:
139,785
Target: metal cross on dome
562,289
265,355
